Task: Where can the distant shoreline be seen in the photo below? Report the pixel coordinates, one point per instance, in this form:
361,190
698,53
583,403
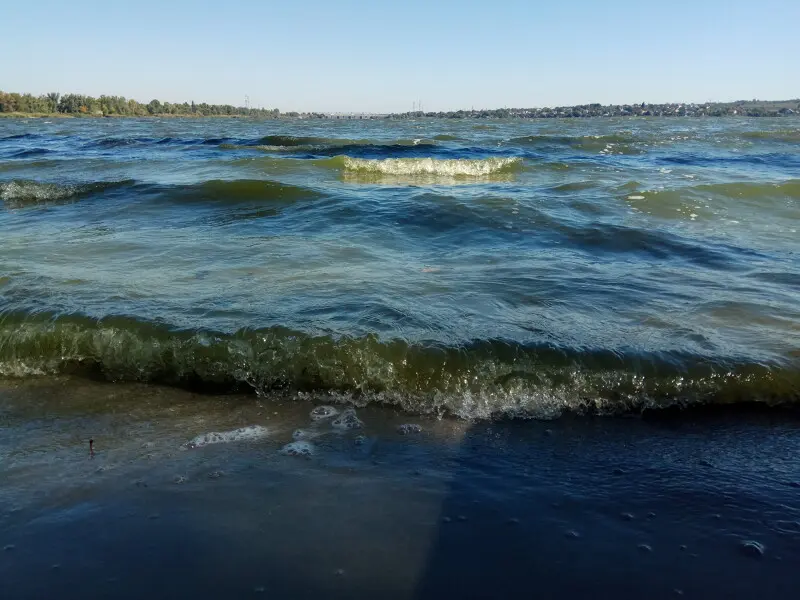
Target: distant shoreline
55,105
21,115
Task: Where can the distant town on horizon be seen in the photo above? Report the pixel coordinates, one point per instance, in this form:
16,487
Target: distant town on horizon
78,105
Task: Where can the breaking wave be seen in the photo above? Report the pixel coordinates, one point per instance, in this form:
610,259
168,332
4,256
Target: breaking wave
452,167
21,192
478,379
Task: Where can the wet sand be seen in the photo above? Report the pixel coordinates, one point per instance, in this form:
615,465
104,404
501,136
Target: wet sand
685,505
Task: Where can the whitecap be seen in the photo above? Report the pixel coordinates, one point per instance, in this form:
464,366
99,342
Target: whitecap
448,167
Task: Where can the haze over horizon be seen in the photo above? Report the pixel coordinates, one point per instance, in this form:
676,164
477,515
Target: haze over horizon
356,56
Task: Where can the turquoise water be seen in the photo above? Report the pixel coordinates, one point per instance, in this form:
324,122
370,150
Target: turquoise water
477,268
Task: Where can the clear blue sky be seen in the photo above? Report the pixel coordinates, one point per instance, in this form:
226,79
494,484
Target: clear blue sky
351,55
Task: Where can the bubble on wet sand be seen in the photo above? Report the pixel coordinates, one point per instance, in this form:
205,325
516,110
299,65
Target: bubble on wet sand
323,412
298,448
243,434
347,420
304,434
409,428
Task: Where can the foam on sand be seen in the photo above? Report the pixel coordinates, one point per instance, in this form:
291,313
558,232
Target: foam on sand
243,434
298,448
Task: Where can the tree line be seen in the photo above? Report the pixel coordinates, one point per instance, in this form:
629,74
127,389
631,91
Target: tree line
78,104
743,108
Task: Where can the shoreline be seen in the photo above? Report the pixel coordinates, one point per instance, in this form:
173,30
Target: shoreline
393,117
626,507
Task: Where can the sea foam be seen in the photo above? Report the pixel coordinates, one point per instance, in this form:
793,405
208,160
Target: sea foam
243,434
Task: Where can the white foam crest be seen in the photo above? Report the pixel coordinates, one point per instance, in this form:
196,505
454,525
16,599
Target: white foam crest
447,167
243,434
13,191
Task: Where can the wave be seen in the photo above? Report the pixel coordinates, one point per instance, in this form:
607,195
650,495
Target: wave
22,192
289,141
773,160
292,141
120,142
761,192
618,143
354,148
29,153
238,190
116,142
790,136
479,379
19,136
789,188
446,167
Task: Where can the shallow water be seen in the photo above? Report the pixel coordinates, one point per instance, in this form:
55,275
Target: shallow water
195,496
475,268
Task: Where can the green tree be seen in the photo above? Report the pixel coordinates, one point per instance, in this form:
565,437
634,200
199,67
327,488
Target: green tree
52,99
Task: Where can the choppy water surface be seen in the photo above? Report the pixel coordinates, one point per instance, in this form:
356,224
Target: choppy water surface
476,268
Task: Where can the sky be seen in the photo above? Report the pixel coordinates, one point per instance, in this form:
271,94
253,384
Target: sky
381,56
